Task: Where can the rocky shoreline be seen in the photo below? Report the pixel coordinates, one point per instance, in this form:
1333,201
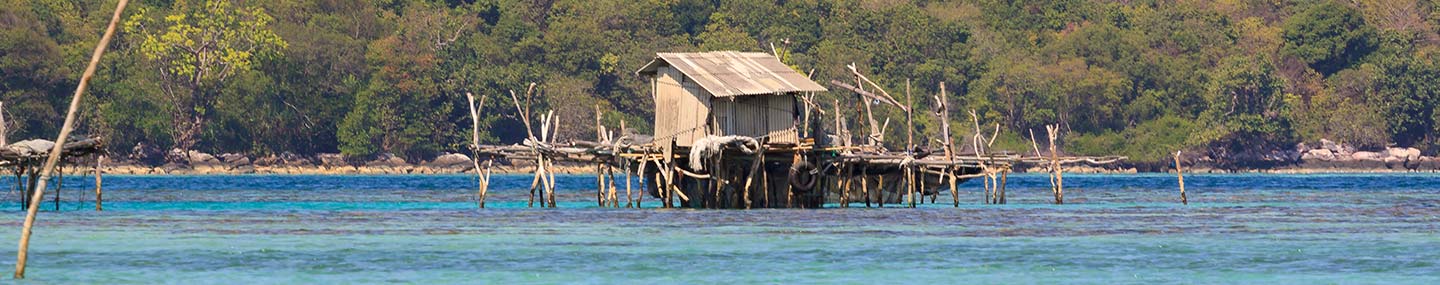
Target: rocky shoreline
1326,157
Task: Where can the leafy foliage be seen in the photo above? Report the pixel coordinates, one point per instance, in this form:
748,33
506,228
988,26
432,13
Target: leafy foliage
1237,79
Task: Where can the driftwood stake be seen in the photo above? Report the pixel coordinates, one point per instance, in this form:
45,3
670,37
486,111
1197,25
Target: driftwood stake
65,130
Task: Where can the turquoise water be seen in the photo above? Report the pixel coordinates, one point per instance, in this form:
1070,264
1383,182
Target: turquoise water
1278,229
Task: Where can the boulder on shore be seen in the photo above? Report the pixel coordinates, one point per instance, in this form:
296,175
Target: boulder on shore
332,160
1367,155
387,160
450,160
1318,154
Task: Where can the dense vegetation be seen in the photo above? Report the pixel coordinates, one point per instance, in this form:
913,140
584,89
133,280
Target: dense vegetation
1236,79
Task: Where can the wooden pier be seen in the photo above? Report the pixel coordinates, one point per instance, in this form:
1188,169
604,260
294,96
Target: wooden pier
742,130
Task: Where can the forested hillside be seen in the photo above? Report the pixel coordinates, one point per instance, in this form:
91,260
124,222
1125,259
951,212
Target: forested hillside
1234,79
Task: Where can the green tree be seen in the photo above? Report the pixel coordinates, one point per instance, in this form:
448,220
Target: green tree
1329,36
197,50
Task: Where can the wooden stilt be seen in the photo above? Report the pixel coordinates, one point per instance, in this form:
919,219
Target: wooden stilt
764,181
880,186
1004,176
59,184
639,199
954,192
614,201
629,200
551,181
842,182
600,184
750,178
485,182
534,183
865,184
99,196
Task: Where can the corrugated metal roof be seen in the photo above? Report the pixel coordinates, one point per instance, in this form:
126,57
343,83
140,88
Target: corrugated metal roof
729,73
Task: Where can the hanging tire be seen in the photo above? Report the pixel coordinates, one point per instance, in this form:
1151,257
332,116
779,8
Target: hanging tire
800,177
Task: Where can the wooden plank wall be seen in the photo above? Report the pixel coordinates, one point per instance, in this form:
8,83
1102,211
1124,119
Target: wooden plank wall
757,116
682,108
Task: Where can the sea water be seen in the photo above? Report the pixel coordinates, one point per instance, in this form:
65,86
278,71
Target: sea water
249,229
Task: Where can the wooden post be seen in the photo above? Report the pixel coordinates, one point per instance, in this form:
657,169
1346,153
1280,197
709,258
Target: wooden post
1004,176
551,172
750,178
4,130
535,183
59,184
1180,175
954,192
842,183
975,142
485,182
880,183
1053,130
910,142
910,184
764,181
614,200
475,147
65,130
641,172
99,196
599,166
600,184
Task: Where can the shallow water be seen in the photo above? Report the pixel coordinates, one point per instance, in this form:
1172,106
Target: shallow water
1279,229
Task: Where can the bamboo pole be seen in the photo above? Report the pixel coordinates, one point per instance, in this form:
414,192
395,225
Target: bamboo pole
1180,175
65,130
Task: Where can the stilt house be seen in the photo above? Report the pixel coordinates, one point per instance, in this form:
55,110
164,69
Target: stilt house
725,93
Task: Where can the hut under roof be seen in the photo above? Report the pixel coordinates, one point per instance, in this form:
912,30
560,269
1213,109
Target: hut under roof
725,93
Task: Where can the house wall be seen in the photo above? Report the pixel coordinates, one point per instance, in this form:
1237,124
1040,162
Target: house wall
682,108
771,116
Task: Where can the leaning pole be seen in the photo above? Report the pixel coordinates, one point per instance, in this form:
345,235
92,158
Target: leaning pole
60,141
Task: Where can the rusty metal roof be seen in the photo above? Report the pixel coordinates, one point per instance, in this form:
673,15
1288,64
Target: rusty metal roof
729,73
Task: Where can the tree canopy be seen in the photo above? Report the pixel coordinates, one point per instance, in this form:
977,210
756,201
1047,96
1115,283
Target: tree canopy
1236,79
